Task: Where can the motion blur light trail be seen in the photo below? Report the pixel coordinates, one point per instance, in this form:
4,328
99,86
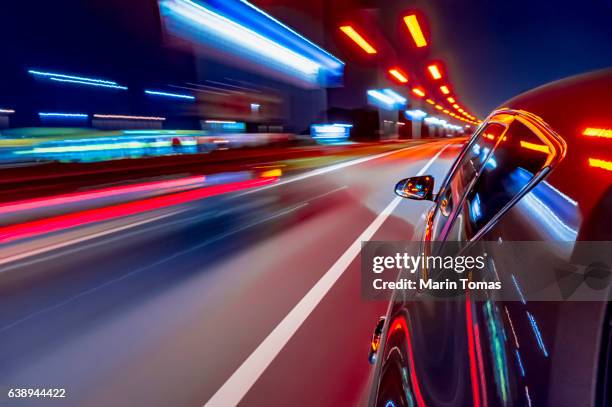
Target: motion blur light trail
39,227
47,202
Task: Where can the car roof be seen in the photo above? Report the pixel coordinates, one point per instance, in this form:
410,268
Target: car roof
570,107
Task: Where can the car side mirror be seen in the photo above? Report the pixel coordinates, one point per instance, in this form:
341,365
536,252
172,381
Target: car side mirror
419,188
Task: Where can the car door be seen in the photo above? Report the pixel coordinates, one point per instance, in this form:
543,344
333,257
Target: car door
520,160
458,352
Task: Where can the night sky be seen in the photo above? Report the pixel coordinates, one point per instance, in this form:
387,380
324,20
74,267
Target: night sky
497,49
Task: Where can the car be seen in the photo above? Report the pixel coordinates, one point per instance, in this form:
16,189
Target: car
538,170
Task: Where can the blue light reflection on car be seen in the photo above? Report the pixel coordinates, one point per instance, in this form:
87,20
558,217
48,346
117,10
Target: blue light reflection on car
557,214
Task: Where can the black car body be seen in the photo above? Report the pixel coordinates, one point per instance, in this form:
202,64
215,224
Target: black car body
546,176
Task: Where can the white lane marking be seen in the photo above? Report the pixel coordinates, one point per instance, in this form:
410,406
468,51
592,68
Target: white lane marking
69,242
331,168
241,381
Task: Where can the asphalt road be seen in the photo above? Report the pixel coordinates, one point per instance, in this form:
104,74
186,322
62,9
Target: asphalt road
250,296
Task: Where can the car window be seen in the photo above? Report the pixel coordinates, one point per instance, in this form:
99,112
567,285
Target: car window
518,157
472,160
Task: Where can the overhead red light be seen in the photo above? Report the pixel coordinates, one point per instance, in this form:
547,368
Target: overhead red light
595,132
419,92
456,106
399,75
355,36
450,99
603,164
444,89
431,102
415,30
434,72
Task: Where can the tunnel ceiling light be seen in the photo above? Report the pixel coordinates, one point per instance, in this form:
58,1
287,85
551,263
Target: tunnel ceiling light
415,30
358,39
435,120
451,99
434,71
87,83
598,163
460,110
595,132
7,111
439,107
379,98
444,89
399,99
399,75
445,111
415,114
431,102
72,77
170,95
66,115
456,106
127,117
419,92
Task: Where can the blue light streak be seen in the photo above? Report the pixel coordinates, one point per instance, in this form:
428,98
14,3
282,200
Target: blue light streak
415,114
518,289
475,210
537,333
336,61
238,29
76,78
520,362
399,99
171,95
336,133
378,98
65,115
103,85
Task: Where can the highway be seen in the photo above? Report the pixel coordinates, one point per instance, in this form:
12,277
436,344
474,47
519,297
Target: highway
250,295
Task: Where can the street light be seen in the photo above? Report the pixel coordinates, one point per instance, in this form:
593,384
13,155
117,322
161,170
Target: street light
355,36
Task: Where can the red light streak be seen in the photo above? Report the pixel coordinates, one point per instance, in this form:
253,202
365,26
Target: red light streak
471,351
400,323
46,202
57,223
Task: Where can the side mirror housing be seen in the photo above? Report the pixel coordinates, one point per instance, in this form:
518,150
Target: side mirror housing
419,188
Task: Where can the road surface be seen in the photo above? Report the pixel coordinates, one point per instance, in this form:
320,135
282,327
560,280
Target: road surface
251,296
